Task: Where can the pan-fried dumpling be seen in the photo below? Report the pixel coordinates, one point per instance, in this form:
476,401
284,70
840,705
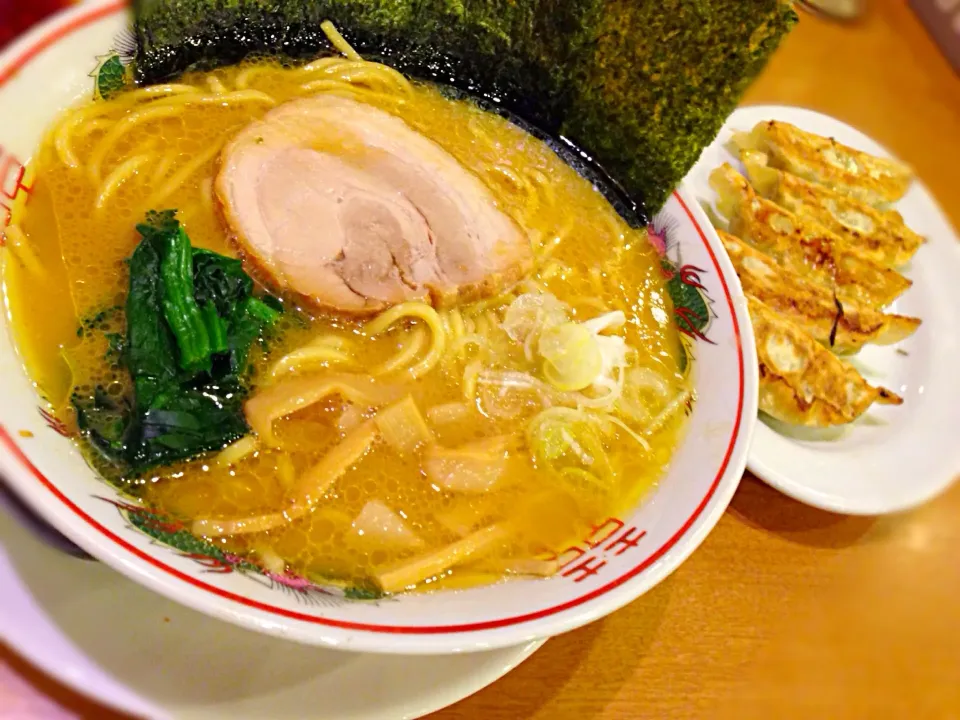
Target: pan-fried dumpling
873,180
844,327
875,234
803,383
803,246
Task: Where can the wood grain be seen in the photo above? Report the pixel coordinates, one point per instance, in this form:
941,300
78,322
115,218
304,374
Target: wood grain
785,611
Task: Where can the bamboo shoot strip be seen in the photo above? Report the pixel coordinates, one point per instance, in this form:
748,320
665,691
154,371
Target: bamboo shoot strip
232,454
290,396
403,427
309,490
378,522
475,468
412,572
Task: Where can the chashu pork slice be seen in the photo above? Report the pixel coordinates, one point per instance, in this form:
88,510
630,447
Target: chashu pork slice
349,206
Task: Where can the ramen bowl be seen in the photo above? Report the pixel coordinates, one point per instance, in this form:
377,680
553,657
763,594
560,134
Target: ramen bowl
616,562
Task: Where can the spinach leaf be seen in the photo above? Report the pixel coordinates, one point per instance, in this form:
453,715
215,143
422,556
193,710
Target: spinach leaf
191,421
103,421
150,346
219,280
191,318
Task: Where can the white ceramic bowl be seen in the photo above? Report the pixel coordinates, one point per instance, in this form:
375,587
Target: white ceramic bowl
622,559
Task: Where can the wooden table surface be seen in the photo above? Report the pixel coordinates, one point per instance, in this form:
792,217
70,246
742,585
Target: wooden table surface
785,611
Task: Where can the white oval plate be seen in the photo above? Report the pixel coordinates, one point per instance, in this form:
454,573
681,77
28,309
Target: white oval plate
892,458
128,648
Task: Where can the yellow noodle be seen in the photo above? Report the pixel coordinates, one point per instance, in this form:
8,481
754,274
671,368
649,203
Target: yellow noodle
481,135
523,186
335,341
121,128
394,79
515,178
419,310
564,231
456,323
325,85
448,358
244,78
236,96
376,97
470,375
215,85
123,172
168,106
182,175
414,310
88,128
544,186
154,91
483,324
354,92
406,355
368,75
325,65
464,341
232,454
17,243
308,357
73,119
162,168
430,360
338,41
364,72
478,308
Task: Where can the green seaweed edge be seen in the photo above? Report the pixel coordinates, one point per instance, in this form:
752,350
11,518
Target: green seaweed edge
657,78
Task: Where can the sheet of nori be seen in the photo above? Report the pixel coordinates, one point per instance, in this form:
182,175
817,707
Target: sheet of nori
640,85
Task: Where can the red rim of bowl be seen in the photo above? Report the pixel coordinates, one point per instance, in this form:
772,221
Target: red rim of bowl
61,26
